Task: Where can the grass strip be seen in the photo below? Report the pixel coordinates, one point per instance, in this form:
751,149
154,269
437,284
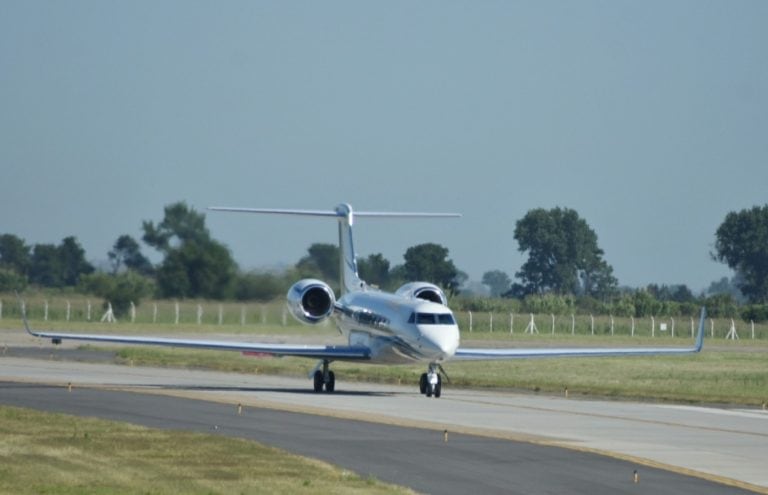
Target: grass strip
724,377
47,453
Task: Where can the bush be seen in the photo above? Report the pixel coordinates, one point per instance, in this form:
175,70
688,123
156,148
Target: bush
119,290
755,312
11,281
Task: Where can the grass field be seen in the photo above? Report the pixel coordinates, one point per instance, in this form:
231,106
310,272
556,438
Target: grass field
726,377
43,453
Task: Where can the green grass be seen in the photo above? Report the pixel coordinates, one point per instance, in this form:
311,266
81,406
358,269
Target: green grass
737,376
44,453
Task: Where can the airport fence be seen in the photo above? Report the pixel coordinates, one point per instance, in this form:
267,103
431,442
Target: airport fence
506,325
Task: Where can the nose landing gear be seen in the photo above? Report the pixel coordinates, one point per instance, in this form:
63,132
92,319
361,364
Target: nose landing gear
431,383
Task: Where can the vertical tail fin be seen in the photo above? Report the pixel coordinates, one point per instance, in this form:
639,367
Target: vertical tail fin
350,280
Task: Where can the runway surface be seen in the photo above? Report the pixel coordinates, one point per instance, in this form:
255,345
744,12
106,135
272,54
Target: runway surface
406,442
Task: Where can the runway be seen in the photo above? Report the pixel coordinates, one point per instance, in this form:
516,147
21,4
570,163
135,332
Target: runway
401,438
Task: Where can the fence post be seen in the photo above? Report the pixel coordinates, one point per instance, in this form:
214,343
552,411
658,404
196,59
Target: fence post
531,326
133,312
712,328
573,324
611,325
511,323
592,323
490,321
221,315
553,323
752,322
88,310
45,310
154,312
177,312
673,326
633,325
691,326
199,314
653,326
69,310
470,321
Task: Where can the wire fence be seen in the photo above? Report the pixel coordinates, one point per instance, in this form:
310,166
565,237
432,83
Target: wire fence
187,312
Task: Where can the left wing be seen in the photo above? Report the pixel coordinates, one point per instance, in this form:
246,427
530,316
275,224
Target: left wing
332,352
488,354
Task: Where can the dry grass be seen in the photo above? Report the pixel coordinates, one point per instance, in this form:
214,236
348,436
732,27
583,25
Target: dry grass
43,453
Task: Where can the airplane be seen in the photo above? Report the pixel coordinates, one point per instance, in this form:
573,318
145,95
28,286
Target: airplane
413,324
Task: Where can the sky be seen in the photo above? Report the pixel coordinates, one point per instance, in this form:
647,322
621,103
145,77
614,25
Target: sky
650,119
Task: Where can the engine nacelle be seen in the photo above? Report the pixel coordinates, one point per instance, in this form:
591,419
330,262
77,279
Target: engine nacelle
311,301
423,290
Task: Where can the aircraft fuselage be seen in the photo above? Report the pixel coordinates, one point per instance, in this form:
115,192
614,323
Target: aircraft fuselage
397,329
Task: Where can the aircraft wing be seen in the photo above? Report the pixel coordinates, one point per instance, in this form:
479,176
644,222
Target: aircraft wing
520,353
331,352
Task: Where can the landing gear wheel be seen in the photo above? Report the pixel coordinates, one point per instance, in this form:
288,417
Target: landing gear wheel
318,381
330,386
438,387
423,383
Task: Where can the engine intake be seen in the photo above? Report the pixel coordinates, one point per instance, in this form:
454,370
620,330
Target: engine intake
423,290
311,301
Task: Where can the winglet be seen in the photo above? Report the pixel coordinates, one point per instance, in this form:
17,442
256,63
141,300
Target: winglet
700,336
24,320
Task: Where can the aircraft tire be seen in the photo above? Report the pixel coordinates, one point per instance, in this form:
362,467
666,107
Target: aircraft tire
438,389
331,385
423,384
318,381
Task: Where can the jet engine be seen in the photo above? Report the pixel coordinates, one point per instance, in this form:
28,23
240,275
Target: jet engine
311,301
423,290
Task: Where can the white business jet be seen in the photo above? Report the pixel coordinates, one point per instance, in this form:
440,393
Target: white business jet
414,324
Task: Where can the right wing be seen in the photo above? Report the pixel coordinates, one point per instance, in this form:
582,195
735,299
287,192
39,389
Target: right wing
331,352
490,354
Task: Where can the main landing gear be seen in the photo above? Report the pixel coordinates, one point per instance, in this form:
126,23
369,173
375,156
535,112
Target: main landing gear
431,383
324,378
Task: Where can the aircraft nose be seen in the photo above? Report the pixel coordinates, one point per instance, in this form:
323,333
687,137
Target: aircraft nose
444,339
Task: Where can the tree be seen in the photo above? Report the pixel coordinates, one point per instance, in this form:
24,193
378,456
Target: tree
742,243
261,286
429,262
46,269
374,269
11,280
181,224
727,286
73,262
195,265
497,281
563,255
321,262
14,254
59,266
127,253
120,289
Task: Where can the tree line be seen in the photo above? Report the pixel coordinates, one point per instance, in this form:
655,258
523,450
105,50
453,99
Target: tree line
565,269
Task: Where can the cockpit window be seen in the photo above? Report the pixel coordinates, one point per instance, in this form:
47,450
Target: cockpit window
432,319
445,319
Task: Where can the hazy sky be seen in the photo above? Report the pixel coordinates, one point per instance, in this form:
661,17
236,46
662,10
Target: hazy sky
649,118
